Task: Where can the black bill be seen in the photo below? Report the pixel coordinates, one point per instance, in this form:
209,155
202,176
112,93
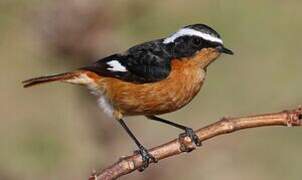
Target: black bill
225,50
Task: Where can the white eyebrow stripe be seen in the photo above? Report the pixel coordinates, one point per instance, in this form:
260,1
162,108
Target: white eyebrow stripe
191,32
116,66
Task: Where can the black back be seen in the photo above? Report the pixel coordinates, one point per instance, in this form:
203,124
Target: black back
147,62
151,61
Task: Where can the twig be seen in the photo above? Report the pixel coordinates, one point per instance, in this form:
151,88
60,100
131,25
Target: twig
177,146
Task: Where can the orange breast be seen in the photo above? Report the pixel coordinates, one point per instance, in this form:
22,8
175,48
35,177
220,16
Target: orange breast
168,95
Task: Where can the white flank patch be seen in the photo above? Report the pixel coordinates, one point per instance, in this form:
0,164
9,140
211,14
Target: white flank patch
102,100
106,106
116,66
191,32
84,80
81,79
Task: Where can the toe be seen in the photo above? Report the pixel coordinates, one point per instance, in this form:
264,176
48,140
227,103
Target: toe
147,158
193,136
196,140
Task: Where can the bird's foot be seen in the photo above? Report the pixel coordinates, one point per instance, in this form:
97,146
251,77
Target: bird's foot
147,158
191,134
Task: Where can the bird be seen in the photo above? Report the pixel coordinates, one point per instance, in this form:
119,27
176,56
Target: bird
149,79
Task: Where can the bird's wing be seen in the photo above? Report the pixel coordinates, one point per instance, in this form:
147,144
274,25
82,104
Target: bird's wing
143,63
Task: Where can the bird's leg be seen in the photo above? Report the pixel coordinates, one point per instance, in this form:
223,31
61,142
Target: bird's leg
188,131
147,158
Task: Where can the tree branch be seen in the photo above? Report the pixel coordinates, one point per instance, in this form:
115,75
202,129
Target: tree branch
177,146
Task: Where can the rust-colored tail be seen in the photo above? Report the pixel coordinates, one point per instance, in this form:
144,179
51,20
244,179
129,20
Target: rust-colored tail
46,79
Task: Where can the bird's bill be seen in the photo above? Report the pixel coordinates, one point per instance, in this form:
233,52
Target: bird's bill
225,50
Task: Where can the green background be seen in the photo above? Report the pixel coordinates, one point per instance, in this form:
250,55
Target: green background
56,131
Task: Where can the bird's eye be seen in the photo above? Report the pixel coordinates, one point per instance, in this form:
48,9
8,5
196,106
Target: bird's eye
196,41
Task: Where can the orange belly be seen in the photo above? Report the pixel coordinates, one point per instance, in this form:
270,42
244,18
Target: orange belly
170,94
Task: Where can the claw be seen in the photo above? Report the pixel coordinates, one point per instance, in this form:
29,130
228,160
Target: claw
147,158
190,133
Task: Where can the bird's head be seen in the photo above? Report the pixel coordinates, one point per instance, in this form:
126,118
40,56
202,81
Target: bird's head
196,39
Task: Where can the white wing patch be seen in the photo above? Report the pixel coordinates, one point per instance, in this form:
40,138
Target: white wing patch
116,66
191,32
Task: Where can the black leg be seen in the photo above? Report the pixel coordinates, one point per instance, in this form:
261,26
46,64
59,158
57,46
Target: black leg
188,131
146,156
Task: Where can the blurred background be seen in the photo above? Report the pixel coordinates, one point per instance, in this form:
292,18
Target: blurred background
57,131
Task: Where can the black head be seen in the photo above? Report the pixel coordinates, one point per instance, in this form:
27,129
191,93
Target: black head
193,38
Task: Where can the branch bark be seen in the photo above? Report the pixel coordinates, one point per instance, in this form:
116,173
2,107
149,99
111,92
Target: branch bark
177,146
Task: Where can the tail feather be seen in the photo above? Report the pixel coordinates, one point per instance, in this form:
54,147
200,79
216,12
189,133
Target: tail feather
46,79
